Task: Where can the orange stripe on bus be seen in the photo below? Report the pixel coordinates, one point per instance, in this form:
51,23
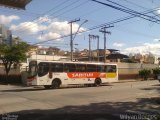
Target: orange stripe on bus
86,75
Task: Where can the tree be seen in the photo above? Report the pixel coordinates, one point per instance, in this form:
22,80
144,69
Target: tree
145,73
13,54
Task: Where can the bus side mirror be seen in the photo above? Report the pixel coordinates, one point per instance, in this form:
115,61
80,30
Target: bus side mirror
50,74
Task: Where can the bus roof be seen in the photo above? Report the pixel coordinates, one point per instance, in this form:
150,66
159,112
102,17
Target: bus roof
76,62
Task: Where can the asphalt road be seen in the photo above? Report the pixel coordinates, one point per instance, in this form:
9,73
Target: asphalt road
111,101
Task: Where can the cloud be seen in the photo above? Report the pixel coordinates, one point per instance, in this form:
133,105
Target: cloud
146,48
27,28
63,28
158,11
57,29
51,28
156,40
8,19
49,36
118,44
44,19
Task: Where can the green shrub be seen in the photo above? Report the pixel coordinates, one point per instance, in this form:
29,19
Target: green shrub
144,73
156,72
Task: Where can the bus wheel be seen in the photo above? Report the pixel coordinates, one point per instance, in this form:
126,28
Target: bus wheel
56,84
97,82
47,86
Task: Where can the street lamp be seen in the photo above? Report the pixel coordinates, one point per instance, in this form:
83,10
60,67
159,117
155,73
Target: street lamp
74,38
79,29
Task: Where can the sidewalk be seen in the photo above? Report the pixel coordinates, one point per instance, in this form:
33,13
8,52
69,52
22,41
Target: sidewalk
129,80
4,86
135,80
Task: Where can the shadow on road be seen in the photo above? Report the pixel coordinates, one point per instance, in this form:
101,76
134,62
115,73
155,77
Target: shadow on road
23,89
153,87
156,85
39,88
145,107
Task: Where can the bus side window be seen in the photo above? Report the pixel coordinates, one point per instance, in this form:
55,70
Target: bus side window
68,67
57,67
80,67
65,68
101,68
111,68
91,68
43,68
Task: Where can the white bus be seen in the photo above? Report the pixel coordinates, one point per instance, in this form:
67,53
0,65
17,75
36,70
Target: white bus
53,74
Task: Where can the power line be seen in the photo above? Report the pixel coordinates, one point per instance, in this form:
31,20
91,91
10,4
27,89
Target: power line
60,4
120,20
101,25
134,32
139,6
153,2
58,11
65,7
127,10
135,4
133,10
43,14
95,10
84,2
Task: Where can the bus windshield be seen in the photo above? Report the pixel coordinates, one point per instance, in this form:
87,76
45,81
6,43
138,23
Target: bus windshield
32,69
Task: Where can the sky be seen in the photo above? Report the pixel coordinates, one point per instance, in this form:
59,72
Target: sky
46,22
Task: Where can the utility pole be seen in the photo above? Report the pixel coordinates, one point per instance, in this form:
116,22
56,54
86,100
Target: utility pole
71,39
104,31
97,48
90,47
90,38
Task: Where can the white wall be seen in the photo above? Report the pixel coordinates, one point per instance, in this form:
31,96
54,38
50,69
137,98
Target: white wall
47,57
133,68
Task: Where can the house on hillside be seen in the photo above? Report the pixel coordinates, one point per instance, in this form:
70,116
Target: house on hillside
144,58
112,55
50,53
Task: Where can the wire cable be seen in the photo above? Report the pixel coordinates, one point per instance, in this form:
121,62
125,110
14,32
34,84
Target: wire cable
141,7
101,25
43,14
152,17
127,10
84,2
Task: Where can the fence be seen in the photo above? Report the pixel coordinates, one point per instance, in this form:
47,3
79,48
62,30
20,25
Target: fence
11,79
14,76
